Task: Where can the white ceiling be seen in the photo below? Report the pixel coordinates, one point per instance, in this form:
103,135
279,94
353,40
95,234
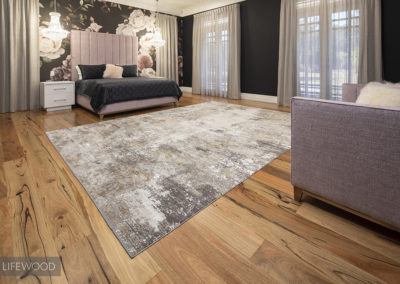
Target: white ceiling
180,8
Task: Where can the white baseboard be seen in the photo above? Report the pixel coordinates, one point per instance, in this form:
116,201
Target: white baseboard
245,96
186,89
260,98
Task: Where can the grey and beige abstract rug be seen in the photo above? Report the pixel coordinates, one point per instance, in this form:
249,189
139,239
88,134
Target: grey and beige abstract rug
148,174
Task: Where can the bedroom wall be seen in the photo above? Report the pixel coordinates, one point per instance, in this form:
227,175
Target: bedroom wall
187,50
391,40
260,46
259,49
95,16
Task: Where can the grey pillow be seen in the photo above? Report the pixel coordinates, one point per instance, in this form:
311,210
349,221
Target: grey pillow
92,71
129,70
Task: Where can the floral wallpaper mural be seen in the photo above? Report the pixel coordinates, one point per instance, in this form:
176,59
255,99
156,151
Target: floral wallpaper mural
94,16
180,51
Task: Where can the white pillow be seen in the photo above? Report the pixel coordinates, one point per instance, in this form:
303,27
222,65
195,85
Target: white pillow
79,72
379,94
113,71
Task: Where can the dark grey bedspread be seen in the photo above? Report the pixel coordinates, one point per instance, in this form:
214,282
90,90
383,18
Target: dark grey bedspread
108,91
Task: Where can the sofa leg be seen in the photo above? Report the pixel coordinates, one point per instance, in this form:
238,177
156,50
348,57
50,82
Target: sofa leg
298,194
101,116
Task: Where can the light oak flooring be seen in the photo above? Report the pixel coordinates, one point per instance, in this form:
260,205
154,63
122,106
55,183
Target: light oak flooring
254,234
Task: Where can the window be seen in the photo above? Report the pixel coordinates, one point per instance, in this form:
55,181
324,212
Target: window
327,49
216,53
345,50
308,52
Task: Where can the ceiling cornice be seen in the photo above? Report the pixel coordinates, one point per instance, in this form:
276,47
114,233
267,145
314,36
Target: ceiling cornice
205,7
176,11
146,6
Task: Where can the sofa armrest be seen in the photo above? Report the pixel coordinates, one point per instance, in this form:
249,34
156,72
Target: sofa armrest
350,92
349,154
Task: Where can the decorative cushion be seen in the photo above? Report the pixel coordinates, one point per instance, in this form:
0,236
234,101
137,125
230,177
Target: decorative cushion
79,72
113,71
379,94
92,71
129,70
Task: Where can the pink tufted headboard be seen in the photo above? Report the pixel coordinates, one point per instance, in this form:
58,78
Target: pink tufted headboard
92,48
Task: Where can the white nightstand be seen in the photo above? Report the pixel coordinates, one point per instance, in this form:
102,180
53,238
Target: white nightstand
57,95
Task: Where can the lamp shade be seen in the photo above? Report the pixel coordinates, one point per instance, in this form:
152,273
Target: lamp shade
55,31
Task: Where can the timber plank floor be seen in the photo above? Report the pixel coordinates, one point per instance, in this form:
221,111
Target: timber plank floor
256,233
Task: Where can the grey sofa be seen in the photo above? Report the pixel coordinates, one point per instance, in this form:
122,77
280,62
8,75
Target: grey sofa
348,155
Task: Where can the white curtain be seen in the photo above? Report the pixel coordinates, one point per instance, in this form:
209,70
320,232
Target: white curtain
326,43
167,55
216,52
19,55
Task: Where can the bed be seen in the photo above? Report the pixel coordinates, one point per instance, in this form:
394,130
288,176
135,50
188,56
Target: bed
109,96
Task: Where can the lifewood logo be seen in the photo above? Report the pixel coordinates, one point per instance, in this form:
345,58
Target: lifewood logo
24,266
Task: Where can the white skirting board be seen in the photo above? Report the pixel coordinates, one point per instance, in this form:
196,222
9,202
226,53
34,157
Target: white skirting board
186,89
260,98
246,96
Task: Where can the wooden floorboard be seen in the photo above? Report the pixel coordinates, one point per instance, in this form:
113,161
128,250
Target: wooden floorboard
256,233
351,230
11,148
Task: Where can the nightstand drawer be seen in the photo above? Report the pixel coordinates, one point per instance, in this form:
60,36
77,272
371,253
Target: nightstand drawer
55,89
57,100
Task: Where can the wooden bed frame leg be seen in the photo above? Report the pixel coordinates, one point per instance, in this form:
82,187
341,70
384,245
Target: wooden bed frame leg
101,116
298,194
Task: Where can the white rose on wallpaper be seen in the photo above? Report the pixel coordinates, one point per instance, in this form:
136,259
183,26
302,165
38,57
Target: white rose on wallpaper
146,41
136,23
148,73
50,48
138,20
125,29
94,27
143,50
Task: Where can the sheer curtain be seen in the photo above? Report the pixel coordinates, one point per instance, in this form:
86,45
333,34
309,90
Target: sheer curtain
327,43
19,55
167,55
216,52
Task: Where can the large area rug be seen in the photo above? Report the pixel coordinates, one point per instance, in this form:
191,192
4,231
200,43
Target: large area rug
148,174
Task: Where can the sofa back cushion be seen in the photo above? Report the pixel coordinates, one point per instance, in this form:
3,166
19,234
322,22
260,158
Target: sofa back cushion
380,94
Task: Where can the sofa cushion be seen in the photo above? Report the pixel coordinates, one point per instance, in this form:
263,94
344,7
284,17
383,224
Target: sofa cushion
379,94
